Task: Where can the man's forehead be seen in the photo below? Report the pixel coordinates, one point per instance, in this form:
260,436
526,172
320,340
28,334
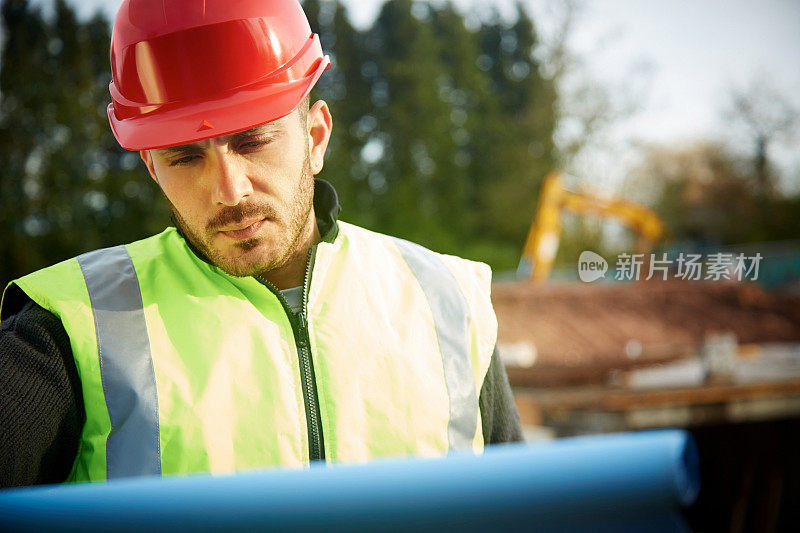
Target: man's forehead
269,127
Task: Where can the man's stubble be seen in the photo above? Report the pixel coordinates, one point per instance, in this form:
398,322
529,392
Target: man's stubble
284,249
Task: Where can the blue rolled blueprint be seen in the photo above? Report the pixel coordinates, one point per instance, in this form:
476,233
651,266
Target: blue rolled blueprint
620,482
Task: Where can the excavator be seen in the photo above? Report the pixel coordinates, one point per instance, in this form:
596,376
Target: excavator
541,245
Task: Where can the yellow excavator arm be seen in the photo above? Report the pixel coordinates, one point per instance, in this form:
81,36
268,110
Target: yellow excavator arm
545,232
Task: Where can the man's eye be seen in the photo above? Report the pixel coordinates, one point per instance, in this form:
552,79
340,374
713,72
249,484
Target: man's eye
251,145
185,160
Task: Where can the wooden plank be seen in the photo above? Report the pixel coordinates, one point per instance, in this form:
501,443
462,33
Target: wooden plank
604,398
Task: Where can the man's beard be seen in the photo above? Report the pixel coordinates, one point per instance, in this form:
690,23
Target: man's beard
297,220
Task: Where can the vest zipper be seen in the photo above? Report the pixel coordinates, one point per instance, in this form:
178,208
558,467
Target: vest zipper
316,450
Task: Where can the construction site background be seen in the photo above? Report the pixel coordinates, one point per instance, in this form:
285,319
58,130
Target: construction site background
446,130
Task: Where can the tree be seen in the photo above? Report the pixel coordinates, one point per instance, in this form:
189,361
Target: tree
707,194
522,136
442,133
430,141
346,88
767,117
67,186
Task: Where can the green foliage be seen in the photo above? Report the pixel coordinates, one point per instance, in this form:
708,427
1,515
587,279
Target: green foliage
67,187
709,195
441,134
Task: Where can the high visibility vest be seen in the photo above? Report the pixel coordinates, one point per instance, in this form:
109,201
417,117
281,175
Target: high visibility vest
185,368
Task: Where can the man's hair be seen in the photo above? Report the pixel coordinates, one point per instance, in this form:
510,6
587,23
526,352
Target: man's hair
302,110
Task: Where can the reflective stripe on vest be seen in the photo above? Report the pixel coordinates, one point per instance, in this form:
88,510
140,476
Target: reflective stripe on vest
126,368
451,316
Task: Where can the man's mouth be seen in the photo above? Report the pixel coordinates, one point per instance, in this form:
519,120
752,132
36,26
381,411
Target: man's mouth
243,230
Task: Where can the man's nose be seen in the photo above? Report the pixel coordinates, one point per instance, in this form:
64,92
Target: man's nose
231,182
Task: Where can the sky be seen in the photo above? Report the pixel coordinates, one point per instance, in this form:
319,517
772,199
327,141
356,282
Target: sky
694,53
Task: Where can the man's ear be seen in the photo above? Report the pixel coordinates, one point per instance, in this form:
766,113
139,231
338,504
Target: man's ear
148,162
320,124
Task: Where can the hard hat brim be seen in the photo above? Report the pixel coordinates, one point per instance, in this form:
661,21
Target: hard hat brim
235,112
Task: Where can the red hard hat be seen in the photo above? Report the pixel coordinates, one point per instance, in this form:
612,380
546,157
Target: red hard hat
186,70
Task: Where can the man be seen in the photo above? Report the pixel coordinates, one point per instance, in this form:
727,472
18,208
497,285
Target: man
262,331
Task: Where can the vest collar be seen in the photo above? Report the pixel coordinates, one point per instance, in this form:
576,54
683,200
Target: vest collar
326,209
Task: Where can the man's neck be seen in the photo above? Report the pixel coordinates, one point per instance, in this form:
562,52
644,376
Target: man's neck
292,272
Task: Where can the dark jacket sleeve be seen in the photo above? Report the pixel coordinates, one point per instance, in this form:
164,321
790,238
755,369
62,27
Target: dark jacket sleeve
41,404
499,417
